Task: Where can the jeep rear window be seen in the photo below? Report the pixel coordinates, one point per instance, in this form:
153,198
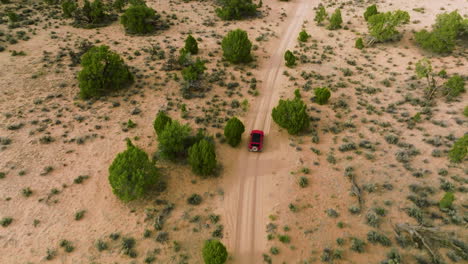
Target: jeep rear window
256,138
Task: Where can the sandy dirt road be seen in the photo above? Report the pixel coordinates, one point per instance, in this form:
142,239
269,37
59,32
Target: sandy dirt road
245,197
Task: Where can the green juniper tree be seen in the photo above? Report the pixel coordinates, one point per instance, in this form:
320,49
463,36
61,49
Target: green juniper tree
214,252
289,58
335,20
202,158
320,15
236,9
162,119
291,115
103,71
303,36
174,140
132,174
236,46
233,131
191,45
139,19
322,94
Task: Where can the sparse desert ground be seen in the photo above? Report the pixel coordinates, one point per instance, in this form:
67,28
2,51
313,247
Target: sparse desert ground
292,203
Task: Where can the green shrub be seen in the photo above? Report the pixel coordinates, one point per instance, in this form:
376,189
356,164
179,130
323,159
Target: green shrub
303,36
236,46
444,33
359,43
320,15
233,131
103,71
459,149
370,11
322,94
335,20
162,119
140,19
118,5
290,58
447,200
465,111
382,26
214,252
132,174
291,115
194,71
6,221
202,158
453,87
357,245
191,45
174,140
236,9
194,199
69,7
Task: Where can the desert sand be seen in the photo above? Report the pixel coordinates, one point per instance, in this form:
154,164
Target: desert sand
257,196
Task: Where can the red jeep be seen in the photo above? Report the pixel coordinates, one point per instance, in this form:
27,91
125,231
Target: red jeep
256,140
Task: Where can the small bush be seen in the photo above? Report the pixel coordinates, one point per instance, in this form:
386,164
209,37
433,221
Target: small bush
303,36
162,119
202,158
370,11
284,239
459,149
357,245
214,252
291,115
79,215
139,19
375,237
335,20
194,199
359,43
101,245
322,94
447,200
465,111
453,87
289,58
132,174
303,182
191,45
236,47
103,71
233,131
6,221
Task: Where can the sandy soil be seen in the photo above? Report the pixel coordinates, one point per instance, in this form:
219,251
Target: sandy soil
255,189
